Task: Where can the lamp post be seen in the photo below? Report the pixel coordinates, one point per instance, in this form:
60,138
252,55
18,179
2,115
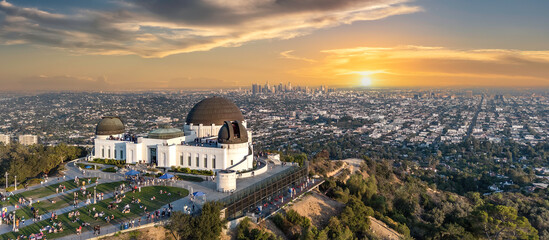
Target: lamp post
6,181
94,195
15,182
14,219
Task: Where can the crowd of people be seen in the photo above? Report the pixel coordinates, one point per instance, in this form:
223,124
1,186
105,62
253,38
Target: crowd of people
118,203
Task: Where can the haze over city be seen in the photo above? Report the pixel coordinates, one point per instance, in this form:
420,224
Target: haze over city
142,45
274,119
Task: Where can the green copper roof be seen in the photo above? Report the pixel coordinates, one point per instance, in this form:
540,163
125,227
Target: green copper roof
166,133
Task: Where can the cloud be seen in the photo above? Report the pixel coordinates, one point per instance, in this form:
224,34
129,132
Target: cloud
433,66
157,28
288,55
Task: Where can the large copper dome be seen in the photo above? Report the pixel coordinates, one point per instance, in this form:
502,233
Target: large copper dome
214,110
110,126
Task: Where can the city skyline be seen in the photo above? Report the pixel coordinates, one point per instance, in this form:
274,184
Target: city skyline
141,45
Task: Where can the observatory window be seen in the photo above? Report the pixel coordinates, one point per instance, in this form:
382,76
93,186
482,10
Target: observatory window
181,160
121,154
197,161
213,161
206,161
236,130
231,162
102,152
189,162
109,152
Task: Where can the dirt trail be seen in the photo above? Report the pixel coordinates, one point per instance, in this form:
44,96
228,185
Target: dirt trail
269,225
381,230
318,208
149,233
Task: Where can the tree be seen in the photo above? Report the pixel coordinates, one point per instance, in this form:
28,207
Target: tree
338,231
355,216
180,225
502,222
209,222
245,233
207,225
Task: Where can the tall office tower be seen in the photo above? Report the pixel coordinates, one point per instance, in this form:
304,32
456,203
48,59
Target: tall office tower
255,89
267,87
28,139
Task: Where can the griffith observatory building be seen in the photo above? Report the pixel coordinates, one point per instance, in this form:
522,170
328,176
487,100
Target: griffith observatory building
214,137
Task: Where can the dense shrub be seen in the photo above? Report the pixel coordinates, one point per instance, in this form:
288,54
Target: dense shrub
190,178
35,160
118,163
207,225
109,169
191,171
244,231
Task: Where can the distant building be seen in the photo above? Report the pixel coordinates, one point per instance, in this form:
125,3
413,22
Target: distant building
5,139
28,139
469,94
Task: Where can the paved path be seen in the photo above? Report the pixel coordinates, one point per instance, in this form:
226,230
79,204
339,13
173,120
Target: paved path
178,205
5,228
11,208
70,172
207,187
71,169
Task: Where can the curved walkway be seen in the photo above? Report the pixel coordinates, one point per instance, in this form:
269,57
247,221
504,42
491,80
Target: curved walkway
7,228
71,171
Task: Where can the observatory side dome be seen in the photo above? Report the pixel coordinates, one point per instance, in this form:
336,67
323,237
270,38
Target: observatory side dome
232,132
110,126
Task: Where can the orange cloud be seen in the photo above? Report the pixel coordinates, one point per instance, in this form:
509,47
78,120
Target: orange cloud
288,54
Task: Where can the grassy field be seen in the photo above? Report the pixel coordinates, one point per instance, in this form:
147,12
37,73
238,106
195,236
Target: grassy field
63,200
145,196
43,191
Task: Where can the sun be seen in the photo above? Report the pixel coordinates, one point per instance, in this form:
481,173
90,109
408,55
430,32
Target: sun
366,81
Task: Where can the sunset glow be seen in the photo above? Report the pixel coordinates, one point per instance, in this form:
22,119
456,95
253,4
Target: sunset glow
140,45
366,81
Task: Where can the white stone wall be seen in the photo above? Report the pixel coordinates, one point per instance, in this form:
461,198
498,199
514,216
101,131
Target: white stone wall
106,149
210,153
169,152
226,182
134,152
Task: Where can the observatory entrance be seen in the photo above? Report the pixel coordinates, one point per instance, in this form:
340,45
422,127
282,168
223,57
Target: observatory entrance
152,155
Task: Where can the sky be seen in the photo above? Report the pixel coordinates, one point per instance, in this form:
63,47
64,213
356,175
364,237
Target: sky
114,45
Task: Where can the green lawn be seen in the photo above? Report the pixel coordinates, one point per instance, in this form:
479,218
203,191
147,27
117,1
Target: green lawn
64,200
43,191
145,196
